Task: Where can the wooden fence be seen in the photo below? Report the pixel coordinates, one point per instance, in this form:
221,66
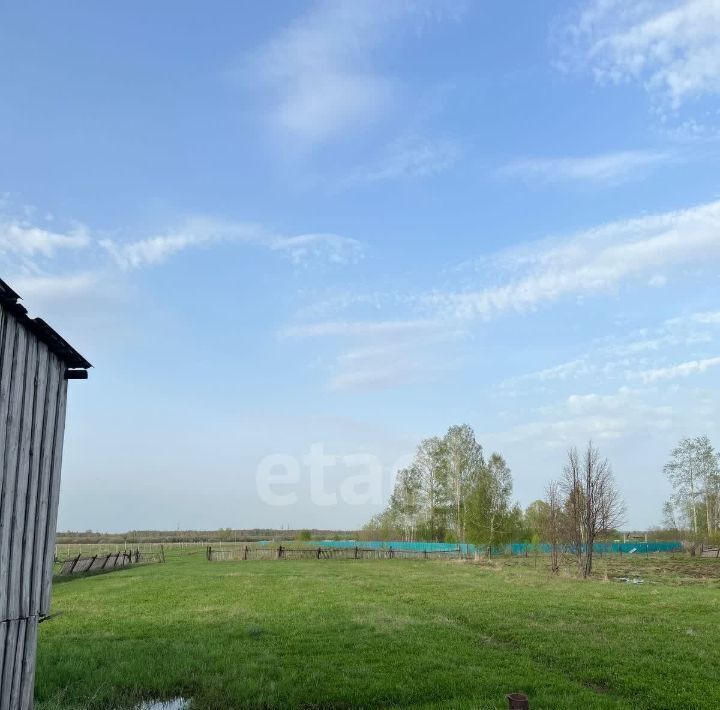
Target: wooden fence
215,554
108,561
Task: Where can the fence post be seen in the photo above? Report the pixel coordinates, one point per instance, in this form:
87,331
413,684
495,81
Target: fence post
75,561
245,553
318,552
162,553
280,551
356,552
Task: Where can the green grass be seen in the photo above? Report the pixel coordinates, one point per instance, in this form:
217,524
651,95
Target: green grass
385,634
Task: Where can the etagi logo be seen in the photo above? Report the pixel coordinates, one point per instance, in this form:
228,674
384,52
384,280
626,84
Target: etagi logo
358,478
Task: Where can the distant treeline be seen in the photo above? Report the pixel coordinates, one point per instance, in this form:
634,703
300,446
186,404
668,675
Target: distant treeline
90,537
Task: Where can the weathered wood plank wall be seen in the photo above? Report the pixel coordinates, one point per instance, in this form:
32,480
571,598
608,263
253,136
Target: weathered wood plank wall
33,392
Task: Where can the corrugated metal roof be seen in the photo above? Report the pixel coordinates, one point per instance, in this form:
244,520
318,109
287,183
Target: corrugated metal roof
57,344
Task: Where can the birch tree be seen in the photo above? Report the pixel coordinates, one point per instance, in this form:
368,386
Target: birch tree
488,510
694,473
428,464
500,490
405,502
592,501
463,463
683,473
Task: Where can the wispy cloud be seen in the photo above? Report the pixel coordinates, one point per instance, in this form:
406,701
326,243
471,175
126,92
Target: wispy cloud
394,359
655,344
332,248
670,47
527,277
683,369
606,169
321,70
707,318
592,261
21,238
410,158
358,328
565,371
603,417
388,375
200,232
39,258
51,264
43,287
639,355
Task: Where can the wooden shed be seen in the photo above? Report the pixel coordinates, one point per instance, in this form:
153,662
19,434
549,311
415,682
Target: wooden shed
35,365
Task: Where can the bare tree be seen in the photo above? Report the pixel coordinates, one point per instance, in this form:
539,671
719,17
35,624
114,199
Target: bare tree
593,503
573,505
552,523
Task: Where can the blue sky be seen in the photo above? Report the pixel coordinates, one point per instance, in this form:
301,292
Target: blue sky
273,226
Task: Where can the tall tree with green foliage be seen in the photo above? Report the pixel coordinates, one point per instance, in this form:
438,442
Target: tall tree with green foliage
432,476
535,515
464,463
489,512
694,473
406,501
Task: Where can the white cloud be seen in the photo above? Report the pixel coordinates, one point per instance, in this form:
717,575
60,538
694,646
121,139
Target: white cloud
194,232
605,169
321,71
683,369
199,231
383,377
316,247
399,357
358,328
55,287
564,371
671,47
592,261
601,417
624,400
38,261
707,318
410,158
661,342
23,239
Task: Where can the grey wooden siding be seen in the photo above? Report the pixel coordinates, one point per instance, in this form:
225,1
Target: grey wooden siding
33,394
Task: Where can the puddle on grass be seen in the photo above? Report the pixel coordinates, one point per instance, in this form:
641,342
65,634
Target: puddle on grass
630,580
174,704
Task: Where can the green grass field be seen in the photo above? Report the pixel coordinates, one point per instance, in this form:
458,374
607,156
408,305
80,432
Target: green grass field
385,634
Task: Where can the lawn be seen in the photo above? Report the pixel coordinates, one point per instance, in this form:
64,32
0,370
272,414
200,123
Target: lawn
385,634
